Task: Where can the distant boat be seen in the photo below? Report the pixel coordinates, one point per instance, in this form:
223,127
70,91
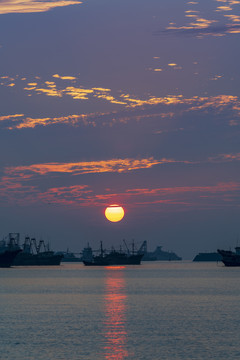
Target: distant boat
230,258
158,254
211,256
68,256
36,254
8,252
113,257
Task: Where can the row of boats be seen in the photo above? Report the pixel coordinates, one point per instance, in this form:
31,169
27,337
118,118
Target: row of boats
33,253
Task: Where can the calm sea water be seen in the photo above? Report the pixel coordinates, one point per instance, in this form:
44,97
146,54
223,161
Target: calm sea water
173,310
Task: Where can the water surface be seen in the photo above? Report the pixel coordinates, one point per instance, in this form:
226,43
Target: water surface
159,310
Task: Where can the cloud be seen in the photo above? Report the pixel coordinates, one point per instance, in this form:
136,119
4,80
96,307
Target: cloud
31,6
175,198
201,31
30,184
10,117
200,26
183,197
66,77
225,158
87,167
136,110
121,99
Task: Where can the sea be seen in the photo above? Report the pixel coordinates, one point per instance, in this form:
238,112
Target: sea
155,311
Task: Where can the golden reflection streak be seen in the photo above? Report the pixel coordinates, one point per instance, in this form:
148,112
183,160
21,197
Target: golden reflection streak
115,314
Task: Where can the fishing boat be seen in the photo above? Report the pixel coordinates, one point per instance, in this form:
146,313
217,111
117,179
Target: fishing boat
114,257
8,251
230,258
36,254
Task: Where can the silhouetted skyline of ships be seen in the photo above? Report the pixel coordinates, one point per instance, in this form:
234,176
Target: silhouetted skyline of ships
31,253
37,253
121,257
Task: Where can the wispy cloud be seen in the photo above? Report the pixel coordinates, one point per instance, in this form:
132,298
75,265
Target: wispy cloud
31,6
28,184
10,117
176,198
64,77
87,167
135,110
225,158
200,26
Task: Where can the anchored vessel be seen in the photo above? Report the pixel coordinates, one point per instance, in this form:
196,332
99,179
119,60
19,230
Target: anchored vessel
8,251
113,258
157,254
230,258
69,256
36,253
211,256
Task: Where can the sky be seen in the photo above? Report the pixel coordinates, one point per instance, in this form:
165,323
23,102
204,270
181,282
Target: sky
135,103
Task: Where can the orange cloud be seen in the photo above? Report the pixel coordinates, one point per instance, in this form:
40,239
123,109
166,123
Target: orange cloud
177,198
31,6
102,166
64,77
223,8
70,119
10,117
195,103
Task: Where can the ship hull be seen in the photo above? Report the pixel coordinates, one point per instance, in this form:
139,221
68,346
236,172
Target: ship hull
7,258
111,260
207,257
230,258
42,259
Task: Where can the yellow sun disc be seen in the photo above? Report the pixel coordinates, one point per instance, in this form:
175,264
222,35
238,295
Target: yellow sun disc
114,213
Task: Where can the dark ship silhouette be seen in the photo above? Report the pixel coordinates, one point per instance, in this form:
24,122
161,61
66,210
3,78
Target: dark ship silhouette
35,253
8,251
230,258
210,256
112,257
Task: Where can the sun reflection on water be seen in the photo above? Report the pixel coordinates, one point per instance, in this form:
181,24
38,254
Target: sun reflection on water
115,314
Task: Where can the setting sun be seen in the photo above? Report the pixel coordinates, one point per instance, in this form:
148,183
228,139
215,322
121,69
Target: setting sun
114,213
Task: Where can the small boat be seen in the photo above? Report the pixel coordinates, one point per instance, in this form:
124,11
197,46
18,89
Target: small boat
114,257
230,258
8,251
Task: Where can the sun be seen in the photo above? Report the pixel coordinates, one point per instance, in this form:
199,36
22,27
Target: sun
114,213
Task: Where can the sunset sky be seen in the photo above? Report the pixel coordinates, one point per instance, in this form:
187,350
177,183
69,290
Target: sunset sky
131,102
